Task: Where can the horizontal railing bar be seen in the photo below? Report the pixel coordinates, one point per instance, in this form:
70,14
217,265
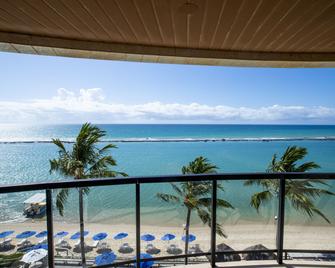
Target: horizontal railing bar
157,259
159,179
309,251
222,252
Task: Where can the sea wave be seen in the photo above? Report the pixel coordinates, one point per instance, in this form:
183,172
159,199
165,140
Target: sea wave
149,139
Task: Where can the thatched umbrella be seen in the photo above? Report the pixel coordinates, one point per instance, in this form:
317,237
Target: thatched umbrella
258,255
222,255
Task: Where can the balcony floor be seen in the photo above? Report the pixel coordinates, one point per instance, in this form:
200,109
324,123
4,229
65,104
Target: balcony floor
266,264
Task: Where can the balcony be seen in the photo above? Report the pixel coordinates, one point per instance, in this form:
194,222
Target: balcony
282,242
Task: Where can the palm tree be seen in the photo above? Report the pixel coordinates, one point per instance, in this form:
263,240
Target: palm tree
85,160
196,195
300,193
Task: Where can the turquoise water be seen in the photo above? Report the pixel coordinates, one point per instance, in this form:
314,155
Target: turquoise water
167,132
22,162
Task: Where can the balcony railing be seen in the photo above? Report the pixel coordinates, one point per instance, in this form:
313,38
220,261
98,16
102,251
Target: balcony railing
139,181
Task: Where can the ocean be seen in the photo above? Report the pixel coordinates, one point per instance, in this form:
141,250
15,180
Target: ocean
163,150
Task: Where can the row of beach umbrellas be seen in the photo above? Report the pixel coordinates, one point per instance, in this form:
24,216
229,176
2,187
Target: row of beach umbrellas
39,251
96,237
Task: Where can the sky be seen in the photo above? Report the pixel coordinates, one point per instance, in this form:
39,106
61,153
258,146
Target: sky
45,90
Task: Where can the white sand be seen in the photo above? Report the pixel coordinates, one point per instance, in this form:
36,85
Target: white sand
240,236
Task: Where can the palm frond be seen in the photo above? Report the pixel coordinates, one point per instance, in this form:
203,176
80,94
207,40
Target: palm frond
205,217
306,167
321,214
59,144
207,202
169,198
106,148
200,165
177,189
259,198
61,199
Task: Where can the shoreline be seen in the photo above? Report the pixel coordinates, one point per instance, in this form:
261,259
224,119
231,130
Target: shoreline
163,140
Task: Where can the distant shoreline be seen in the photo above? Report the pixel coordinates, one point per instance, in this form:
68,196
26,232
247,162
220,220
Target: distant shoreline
135,140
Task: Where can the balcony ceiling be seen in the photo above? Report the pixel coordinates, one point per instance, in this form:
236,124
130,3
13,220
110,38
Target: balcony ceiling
280,33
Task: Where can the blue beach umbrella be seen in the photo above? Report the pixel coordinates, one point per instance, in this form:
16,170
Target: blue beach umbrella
191,238
42,234
147,237
99,236
25,234
77,235
120,236
145,264
61,234
6,233
106,258
168,237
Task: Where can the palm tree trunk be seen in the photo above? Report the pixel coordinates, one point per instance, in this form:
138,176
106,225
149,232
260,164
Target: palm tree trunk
81,220
187,232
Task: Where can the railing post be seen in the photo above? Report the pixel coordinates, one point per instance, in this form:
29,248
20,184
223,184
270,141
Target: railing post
138,225
50,229
280,220
81,227
213,222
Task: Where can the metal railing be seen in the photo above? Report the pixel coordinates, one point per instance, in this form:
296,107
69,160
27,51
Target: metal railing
138,181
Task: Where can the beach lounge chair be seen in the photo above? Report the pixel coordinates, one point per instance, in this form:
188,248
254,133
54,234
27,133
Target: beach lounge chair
63,244
195,249
59,252
152,250
77,244
174,250
42,241
94,244
23,244
6,245
77,247
103,247
126,249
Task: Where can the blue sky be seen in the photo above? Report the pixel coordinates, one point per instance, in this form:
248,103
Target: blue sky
73,90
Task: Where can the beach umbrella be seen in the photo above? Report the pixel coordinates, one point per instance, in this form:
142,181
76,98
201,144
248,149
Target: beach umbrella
145,264
34,255
191,238
99,236
25,234
265,255
77,235
221,254
61,234
147,237
39,246
42,234
6,233
168,237
120,236
105,258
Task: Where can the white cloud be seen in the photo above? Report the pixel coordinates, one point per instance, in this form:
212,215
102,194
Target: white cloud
90,105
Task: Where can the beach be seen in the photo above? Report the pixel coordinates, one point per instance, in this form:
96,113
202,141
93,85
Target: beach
240,236
111,209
